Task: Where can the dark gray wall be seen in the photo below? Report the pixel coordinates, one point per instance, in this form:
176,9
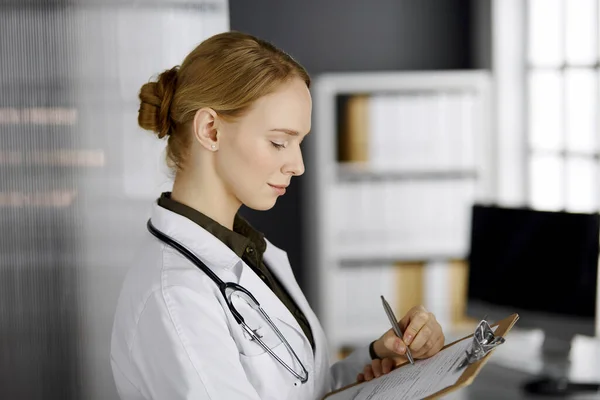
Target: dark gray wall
352,35
481,34
362,35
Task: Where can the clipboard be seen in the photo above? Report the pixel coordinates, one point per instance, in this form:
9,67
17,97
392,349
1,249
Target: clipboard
469,373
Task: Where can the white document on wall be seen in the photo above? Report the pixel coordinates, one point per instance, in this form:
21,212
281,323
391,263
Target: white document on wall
418,381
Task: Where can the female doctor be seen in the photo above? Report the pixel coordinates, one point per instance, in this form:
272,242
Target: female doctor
211,309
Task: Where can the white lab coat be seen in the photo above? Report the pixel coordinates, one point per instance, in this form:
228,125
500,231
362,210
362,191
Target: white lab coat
174,337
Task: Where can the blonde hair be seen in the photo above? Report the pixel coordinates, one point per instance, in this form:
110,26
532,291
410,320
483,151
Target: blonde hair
226,72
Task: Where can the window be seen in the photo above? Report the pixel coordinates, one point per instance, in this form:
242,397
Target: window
563,90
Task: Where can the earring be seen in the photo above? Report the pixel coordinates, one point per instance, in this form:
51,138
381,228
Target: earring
212,146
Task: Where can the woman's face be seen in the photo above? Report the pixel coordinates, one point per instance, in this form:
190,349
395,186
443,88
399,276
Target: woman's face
260,152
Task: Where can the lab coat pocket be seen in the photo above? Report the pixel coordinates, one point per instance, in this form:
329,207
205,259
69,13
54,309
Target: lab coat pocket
300,346
274,378
270,378
267,376
247,345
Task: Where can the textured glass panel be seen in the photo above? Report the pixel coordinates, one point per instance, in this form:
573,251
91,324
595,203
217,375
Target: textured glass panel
68,139
546,176
581,109
40,256
545,110
545,30
582,184
581,32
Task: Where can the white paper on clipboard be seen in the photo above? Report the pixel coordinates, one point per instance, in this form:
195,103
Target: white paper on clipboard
411,382
417,381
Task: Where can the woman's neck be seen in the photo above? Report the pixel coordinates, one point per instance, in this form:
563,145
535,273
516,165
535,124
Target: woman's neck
206,194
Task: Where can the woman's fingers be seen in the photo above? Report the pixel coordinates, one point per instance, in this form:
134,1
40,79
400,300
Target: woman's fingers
387,364
422,339
437,346
368,372
394,344
376,369
428,341
376,366
418,320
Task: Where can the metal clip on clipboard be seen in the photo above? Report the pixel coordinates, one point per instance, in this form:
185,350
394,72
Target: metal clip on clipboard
484,341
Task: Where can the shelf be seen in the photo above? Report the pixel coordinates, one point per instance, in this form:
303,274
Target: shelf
420,165
354,255
365,172
397,258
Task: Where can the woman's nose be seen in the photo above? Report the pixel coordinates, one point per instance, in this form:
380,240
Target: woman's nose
295,166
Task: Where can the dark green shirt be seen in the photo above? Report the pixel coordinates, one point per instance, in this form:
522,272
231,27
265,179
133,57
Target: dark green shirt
249,244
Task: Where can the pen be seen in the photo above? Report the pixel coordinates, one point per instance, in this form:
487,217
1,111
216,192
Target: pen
395,326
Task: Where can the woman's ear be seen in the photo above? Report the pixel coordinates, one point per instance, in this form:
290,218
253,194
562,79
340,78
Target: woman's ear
204,128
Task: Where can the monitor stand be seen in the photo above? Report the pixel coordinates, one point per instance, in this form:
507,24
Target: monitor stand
554,378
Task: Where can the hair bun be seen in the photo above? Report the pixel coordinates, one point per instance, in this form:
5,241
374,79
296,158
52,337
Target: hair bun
155,103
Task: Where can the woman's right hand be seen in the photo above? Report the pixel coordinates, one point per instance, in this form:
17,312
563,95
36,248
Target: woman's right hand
376,369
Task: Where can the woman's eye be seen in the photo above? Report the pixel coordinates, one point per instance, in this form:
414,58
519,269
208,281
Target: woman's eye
278,146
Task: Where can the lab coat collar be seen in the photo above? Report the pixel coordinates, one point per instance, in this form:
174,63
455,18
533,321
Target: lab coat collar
202,243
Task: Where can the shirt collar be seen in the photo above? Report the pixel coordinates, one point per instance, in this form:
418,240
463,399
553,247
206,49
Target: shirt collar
241,237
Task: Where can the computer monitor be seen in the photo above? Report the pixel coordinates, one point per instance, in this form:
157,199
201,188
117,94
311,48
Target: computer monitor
542,265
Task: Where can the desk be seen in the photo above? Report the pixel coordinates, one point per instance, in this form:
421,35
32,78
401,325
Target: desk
520,360
500,383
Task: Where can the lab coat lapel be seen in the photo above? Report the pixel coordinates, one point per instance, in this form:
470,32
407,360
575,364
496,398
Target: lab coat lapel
278,263
265,296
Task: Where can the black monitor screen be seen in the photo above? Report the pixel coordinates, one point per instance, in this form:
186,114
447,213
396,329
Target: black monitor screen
534,260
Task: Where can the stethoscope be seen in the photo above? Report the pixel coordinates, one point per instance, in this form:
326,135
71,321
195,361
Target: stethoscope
227,289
